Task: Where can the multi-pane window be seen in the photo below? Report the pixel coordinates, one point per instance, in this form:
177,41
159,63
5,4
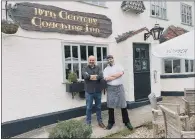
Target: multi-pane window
95,2
158,9
186,14
172,66
189,65
178,65
141,62
76,57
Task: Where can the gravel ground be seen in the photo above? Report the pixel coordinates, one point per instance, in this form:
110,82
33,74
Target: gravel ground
141,132
145,132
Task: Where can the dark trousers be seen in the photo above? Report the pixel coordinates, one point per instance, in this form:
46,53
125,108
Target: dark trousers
124,112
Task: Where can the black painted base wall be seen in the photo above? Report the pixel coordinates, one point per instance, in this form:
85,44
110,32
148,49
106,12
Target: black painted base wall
172,93
177,76
16,127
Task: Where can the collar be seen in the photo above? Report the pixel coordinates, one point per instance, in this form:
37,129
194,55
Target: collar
91,67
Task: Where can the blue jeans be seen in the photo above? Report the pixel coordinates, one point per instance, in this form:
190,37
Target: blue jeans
89,104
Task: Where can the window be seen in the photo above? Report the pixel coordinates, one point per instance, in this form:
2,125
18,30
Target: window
76,57
172,66
189,65
141,57
179,66
158,9
186,14
95,2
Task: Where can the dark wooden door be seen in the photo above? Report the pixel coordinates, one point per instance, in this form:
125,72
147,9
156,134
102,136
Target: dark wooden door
141,64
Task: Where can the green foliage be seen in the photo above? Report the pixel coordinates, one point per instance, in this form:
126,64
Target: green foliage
72,77
9,27
71,129
120,134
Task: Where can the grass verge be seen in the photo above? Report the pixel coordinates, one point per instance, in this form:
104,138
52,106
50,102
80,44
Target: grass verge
122,133
126,132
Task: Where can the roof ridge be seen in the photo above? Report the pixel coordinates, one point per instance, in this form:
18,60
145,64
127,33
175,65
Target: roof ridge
129,34
175,31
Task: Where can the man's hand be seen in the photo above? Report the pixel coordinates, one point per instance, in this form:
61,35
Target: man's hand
117,74
110,78
114,76
93,77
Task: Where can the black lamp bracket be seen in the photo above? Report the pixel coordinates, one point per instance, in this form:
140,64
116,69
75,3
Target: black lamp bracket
146,35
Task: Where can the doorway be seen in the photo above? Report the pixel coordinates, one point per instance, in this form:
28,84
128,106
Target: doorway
141,64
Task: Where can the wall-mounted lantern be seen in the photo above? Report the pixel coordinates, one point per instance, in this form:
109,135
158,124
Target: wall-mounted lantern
156,32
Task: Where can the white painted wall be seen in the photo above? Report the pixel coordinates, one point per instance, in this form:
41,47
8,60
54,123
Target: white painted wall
32,73
177,84
32,70
126,57
125,21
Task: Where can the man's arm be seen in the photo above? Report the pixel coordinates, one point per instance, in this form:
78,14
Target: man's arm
116,75
100,74
85,75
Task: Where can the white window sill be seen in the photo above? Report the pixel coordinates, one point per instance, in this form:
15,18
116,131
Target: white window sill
93,4
178,73
64,82
186,24
158,18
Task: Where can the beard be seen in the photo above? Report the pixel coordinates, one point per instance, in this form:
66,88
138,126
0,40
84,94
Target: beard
110,63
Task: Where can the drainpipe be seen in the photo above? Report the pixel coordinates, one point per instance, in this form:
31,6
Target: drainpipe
6,10
194,12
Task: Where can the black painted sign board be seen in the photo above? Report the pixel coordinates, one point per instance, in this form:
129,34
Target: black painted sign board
46,18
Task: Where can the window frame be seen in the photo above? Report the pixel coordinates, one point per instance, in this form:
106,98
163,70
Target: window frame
189,66
172,70
79,56
162,6
95,3
182,66
185,14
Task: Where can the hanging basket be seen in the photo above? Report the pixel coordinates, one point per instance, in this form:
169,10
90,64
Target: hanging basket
8,27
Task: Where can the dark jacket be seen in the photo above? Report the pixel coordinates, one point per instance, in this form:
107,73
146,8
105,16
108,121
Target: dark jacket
92,86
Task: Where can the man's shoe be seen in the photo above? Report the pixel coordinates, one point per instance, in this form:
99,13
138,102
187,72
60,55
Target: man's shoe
129,126
109,126
101,125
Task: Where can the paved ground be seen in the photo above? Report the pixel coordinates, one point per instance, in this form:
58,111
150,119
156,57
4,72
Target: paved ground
138,117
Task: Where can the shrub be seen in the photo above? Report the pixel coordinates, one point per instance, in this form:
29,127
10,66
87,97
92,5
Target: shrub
72,77
71,129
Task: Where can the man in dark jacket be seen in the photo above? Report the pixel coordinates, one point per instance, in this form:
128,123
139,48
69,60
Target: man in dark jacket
93,75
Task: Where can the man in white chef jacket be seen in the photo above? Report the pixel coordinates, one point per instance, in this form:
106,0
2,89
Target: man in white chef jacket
115,92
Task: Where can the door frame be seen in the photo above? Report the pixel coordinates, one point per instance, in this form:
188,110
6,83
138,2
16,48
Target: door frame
149,63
